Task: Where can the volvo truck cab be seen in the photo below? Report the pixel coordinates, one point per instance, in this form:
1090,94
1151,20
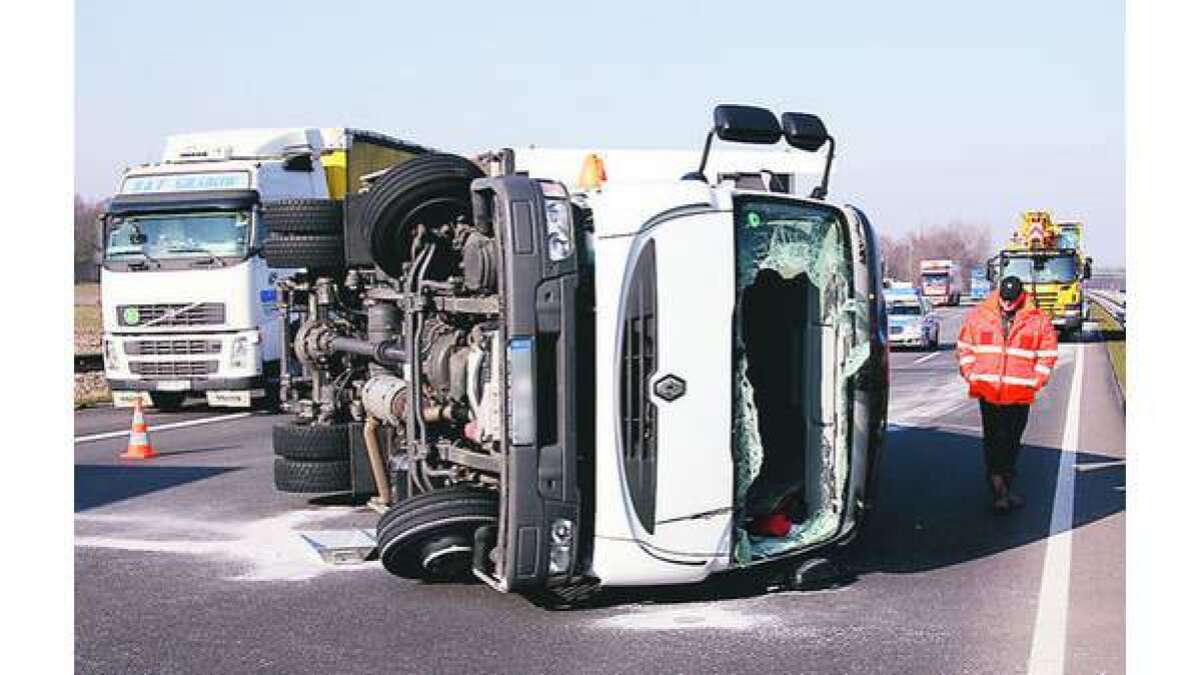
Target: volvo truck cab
637,384
189,300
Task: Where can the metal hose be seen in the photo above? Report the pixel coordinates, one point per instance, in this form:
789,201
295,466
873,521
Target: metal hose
378,472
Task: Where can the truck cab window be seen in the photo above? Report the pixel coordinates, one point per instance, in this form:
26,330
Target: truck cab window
169,236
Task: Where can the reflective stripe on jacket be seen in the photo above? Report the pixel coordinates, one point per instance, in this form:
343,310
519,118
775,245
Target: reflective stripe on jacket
1006,371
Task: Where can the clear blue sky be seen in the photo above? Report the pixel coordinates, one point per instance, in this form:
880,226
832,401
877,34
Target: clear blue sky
943,110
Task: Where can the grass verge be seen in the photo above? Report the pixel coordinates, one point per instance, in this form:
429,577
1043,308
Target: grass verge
1114,342
90,388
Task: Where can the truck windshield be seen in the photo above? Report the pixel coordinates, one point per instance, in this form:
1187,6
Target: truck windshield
165,236
935,278
1060,269
904,309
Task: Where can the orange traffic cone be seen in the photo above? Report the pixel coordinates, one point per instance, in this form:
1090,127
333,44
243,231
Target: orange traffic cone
139,437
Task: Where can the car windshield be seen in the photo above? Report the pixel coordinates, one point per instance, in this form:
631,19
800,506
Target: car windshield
188,235
1060,269
904,309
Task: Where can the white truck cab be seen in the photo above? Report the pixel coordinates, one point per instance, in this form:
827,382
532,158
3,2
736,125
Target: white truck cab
643,382
189,301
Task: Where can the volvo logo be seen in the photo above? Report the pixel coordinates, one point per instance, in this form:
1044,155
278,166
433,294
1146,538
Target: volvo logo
670,387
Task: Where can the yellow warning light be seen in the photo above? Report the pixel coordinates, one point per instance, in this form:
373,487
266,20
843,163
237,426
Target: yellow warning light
592,175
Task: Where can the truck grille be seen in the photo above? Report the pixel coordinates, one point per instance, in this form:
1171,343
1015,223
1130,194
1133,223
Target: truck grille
203,314
639,345
171,347
1045,300
172,368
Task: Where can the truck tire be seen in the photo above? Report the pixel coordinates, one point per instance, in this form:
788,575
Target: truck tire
311,477
430,189
312,251
431,536
311,442
303,216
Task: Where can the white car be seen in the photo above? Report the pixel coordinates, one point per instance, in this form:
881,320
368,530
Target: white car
912,323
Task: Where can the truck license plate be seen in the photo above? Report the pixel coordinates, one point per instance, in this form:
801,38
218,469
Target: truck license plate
126,399
173,385
231,399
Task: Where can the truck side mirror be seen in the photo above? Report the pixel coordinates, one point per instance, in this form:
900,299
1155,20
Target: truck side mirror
738,124
807,132
1087,268
804,131
746,124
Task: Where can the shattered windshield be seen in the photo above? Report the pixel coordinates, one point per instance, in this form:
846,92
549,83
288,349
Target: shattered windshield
165,236
794,332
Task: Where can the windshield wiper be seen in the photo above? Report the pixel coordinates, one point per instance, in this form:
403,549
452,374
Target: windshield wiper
145,255
198,249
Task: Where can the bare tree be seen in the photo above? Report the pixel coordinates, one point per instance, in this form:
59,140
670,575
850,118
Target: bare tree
970,245
87,238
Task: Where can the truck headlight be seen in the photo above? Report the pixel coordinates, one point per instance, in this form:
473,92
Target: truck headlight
562,535
239,352
558,229
112,360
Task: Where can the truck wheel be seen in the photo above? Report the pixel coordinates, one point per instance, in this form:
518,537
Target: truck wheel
311,477
168,401
303,216
430,190
311,442
313,251
431,536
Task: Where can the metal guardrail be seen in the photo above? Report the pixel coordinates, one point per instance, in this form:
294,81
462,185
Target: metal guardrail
89,363
1112,302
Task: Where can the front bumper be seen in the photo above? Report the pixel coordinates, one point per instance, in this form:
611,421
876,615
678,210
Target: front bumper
1069,319
906,339
184,362
253,383
1068,322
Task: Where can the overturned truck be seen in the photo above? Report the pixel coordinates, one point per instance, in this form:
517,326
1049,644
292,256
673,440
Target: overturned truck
648,383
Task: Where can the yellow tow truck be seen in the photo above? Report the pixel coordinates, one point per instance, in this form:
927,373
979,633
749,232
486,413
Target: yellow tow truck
1048,257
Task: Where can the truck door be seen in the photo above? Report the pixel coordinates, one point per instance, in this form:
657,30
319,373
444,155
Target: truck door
671,385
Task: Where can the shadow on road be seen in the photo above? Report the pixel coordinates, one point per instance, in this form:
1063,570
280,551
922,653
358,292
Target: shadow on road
932,511
97,485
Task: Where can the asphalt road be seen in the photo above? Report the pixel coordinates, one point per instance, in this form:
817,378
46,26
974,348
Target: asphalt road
190,563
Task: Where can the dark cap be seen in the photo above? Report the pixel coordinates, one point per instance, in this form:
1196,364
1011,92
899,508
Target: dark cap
1010,289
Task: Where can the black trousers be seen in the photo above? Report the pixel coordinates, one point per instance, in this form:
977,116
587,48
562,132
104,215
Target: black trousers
1003,426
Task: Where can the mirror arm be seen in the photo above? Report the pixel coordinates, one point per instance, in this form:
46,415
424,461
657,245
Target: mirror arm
822,190
699,174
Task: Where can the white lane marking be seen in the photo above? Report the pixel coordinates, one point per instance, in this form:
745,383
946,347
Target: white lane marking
164,427
929,357
1048,654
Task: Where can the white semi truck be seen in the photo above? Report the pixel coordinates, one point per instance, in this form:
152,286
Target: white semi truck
635,383
189,301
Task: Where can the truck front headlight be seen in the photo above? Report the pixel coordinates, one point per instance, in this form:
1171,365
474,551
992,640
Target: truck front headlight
558,229
239,352
112,359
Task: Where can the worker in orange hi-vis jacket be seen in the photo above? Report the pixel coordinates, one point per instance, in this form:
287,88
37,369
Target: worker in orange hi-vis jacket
1006,351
